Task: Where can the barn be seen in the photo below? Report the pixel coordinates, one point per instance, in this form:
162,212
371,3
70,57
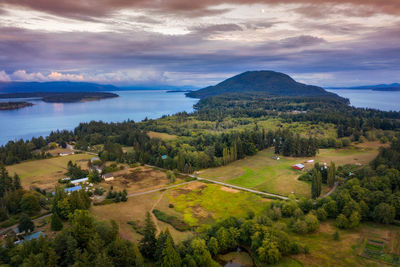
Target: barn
298,167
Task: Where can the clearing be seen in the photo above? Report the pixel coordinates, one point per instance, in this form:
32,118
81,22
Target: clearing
138,179
163,136
202,203
45,173
262,172
347,251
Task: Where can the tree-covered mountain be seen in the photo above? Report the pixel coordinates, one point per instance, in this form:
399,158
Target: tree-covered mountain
62,86
266,82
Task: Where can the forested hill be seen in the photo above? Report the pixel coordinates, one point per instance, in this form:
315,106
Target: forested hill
266,82
32,87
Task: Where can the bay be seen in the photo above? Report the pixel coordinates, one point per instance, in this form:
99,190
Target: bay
382,100
42,118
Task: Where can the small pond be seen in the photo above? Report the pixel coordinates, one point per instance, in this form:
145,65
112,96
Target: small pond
236,259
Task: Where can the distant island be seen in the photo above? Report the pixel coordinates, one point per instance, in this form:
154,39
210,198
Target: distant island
269,83
14,105
53,87
179,91
379,87
62,97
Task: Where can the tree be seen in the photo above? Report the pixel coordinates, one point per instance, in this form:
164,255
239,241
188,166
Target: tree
312,222
170,258
316,184
384,213
269,252
331,175
30,203
25,224
213,246
147,244
56,223
342,221
336,235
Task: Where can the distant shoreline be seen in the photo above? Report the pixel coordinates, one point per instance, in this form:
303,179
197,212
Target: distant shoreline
14,105
62,97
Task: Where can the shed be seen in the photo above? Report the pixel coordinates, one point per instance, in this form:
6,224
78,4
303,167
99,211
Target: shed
298,167
108,176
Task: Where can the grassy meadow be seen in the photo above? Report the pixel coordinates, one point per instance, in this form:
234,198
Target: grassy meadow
264,173
45,173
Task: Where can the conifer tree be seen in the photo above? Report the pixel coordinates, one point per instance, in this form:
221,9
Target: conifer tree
331,174
56,223
148,243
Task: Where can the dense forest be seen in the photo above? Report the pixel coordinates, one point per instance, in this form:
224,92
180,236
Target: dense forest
62,97
14,105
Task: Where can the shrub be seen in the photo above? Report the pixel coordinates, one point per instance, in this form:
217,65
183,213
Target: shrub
172,220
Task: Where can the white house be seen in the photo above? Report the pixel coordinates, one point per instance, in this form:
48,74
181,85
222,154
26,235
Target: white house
108,176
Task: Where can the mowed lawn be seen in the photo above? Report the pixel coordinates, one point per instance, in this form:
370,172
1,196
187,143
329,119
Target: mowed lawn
45,173
263,173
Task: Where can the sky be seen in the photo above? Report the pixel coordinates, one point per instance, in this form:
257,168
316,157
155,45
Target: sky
199,42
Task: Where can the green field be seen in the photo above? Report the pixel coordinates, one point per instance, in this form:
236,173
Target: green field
325,251
204,203
263,173
45,173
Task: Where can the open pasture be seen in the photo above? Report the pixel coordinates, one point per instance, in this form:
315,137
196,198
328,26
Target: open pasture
264,173
347,251
45,173
138,179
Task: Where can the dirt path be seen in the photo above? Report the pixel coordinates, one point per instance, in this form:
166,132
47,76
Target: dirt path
153,216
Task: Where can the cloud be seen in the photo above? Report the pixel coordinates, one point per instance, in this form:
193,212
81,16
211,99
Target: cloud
4,77
101,8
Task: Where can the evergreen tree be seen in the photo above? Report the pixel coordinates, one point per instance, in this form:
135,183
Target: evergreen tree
25,224
17,182
148,243
56,223
331,175
170,258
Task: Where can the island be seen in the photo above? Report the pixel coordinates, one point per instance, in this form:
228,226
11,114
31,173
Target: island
62,97
14,105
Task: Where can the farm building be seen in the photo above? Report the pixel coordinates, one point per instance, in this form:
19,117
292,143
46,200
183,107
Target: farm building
108,177
66,153
72,189
78,181
298,167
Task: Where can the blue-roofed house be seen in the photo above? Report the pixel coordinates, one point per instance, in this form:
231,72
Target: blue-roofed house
78,181
34,236
72,189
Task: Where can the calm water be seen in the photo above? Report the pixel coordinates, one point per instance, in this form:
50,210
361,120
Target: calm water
42,118
371,99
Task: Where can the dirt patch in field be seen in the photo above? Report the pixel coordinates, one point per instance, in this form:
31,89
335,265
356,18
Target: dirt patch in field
229,189
137,179
188,188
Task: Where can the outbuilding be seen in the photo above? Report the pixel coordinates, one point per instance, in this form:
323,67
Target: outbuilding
108,176
78,181
298,167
